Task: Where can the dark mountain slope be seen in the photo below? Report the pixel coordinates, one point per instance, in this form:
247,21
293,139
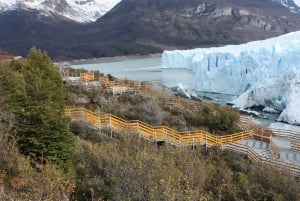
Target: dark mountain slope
20,30
159,24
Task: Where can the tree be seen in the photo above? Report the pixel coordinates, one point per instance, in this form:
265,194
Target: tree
35,95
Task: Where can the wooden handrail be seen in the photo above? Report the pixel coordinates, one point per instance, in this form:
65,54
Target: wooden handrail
253,155
158,132
136,85
243,149
87,76
188,138
246,122
295,145
294,135
275,150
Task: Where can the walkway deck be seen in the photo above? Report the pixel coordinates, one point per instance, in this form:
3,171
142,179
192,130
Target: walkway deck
261,145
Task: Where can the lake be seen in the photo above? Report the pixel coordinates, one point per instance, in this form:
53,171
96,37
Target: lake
144,69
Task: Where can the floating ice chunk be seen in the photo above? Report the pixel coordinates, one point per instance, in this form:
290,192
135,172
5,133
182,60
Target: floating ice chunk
182,91
271,110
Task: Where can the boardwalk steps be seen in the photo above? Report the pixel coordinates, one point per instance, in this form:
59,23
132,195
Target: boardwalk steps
257,143
157,133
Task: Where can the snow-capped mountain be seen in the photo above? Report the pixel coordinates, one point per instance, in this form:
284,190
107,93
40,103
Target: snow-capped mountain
83,11
293,5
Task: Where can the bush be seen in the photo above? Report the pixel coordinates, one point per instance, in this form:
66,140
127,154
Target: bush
132,169
19,181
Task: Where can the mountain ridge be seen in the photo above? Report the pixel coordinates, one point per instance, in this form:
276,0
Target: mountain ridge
82,11
147,26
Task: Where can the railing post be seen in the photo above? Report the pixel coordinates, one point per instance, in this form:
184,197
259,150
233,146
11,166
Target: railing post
192,139
127,127
82,114
166,135
180,141
221,143
99,122
205,141
155,137
139,131
69,114
271,149
248,153
110,126
193,143
216,141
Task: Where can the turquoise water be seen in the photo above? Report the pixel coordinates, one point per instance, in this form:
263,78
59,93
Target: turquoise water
145,69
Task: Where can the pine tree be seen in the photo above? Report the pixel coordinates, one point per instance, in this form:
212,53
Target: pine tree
36,100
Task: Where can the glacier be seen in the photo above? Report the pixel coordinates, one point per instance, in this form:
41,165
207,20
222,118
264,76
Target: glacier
297,2
262,73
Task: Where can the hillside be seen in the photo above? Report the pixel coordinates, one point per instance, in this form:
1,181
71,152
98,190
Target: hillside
105,165
146,26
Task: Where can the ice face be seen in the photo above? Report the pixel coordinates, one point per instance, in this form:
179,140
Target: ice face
262,72
297,2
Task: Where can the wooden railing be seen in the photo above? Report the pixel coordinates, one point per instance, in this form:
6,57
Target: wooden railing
288,168
137,85
155,133
87,76
188,138
264,134
275,150
293,135
243,149
259,132
295,145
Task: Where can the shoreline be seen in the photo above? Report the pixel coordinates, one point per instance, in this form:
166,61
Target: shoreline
109,59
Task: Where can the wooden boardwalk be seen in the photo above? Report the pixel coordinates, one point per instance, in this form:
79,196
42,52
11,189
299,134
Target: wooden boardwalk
240,142
234,142
156,133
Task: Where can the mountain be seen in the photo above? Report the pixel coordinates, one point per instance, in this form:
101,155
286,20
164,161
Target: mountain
293,5
83,11
144,26
147,26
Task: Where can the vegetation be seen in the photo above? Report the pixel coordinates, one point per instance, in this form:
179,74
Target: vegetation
126,168
155,110
20,181
38,154
34,96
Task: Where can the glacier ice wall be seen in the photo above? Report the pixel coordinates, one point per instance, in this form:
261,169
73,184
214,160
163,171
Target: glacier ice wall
262,73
